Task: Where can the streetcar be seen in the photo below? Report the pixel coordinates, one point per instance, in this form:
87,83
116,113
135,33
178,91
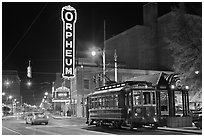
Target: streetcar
131,104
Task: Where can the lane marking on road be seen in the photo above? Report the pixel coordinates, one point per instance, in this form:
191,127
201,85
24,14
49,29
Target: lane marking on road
12,130
98,132
36,128
43,131
48,126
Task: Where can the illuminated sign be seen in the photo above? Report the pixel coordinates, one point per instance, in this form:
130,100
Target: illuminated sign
69,17
62,94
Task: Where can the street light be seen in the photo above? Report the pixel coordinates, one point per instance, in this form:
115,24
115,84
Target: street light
10,97
3,93
172,87
29,83
187,87
93,53
46,93
197,72
7,83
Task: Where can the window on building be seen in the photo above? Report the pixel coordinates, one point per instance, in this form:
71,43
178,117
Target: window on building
86,84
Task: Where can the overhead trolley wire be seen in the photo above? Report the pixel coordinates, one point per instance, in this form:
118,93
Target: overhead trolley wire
25,33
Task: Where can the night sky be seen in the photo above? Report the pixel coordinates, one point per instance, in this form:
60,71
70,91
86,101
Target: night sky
33,31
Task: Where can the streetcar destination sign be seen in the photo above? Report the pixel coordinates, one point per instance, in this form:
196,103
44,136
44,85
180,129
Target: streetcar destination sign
69,17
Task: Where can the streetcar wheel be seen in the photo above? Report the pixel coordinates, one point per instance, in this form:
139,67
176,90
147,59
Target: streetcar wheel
155,126
97,123
131,126
118,125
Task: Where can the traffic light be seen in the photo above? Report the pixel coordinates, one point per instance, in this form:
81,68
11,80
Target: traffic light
29,72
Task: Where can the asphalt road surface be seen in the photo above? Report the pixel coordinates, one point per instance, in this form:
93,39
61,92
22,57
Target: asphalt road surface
72,127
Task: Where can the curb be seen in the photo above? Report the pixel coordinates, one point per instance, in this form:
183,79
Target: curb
181,130
55,117
58,117
8,117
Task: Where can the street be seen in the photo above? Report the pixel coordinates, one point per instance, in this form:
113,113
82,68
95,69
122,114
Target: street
73,126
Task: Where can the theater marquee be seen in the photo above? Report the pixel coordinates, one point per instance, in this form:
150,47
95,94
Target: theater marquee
69,17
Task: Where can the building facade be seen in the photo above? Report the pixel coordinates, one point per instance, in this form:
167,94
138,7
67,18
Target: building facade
146,46
88,77
142,49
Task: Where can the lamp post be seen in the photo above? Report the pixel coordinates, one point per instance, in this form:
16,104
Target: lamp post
104,66
102,52
82,88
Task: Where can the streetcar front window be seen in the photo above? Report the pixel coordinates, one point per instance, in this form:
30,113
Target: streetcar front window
137,98
149,97
146,96
143,97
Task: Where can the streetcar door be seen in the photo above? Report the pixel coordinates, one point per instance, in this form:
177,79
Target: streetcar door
128,105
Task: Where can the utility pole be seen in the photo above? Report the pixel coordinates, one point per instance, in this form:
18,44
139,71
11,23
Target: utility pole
104,55
116,69
21,101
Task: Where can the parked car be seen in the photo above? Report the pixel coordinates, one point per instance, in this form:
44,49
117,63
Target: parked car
37,118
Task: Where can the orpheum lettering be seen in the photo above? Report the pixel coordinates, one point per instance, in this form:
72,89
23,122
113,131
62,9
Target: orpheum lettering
69,16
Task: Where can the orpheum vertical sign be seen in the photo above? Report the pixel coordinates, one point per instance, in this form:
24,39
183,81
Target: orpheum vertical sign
69,17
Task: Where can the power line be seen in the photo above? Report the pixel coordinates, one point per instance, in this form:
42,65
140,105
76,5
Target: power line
25,33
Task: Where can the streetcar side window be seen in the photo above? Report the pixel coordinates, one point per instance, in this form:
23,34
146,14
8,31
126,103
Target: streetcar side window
116,100
106,101
95,102
92,103
100,103
111,100
103,102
